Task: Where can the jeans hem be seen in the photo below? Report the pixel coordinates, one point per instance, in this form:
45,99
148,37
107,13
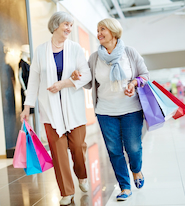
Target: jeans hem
125,188
136,171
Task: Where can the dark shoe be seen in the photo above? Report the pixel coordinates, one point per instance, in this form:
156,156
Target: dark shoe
123,196
139,182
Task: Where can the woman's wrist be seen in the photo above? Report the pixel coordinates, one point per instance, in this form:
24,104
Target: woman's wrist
62,84
134,82
66,83
26,107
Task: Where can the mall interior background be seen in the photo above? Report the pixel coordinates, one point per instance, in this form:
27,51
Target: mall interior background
14,32
159,38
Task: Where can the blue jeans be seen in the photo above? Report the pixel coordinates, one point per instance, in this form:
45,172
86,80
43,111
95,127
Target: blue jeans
123,132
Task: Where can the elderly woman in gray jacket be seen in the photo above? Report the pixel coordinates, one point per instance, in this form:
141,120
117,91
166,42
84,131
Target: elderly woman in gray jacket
114,69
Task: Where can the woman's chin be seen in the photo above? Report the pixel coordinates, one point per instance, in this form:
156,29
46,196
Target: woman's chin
65,37
101,42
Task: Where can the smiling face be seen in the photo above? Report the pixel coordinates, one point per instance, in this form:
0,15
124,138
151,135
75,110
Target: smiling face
104,35
64,29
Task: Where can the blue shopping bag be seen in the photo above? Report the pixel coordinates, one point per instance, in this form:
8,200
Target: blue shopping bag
32,161
168,107
152,112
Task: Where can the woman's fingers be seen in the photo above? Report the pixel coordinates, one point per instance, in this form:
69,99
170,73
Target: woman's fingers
76,75
52,89
57,86
22,118
27,117
130,90
24,115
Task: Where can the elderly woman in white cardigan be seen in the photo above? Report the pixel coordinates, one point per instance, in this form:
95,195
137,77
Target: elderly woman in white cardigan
61,101
114,69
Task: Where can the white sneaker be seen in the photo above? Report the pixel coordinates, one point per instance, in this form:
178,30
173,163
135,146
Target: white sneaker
84,185
66,200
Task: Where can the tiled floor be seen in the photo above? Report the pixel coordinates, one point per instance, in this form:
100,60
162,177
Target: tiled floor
5,162
163,168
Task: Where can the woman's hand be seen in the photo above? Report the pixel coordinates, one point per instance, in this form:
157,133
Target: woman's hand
25,113
130,90
57,86
76,75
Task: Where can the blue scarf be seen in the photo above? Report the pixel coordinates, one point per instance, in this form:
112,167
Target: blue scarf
117,74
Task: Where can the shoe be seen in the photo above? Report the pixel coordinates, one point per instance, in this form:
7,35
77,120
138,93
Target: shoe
139,182
123,196
84,185
67,200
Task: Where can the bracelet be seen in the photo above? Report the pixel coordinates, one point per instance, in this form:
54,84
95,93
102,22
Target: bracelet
133,84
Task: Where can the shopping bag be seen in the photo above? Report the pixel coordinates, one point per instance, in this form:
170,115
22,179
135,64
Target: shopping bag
32,161
152,112
141,81
181,106
167,106
42,154
179,113
19,158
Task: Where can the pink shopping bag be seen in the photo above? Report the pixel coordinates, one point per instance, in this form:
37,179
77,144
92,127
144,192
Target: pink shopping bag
42,154
19,159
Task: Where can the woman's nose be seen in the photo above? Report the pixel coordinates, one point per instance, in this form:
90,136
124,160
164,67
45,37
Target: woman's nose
69,28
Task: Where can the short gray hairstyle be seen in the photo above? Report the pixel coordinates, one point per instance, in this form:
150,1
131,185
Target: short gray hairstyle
57,18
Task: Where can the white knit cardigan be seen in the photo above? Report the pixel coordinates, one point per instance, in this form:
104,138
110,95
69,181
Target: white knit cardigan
68,113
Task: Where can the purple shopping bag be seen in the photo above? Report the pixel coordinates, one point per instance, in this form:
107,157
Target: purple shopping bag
152,112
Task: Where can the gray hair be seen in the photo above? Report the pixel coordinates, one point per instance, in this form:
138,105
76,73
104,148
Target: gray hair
57,18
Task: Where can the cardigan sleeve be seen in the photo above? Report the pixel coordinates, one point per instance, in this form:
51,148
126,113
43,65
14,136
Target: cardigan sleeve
82,66
90,63
142,68
139,63
33,82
